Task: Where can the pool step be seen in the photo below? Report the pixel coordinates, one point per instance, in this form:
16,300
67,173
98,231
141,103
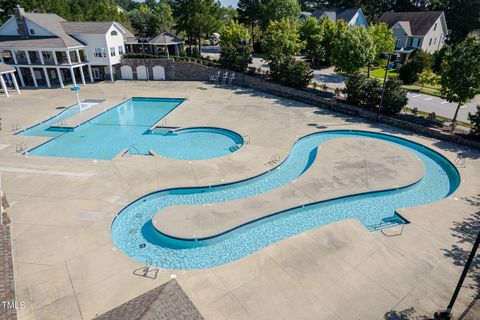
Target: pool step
388,222
234,148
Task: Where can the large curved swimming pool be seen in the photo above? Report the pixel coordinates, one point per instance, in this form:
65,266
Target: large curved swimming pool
134,234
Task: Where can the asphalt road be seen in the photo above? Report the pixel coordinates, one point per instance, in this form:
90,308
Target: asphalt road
441,107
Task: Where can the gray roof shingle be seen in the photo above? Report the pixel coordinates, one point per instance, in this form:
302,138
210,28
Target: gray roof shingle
165,38
88,27
166,302
335,14
420,22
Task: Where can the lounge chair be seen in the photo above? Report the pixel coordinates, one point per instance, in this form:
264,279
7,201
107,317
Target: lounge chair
231,79
225,78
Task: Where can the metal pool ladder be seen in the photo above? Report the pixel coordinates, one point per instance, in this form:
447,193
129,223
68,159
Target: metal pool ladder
149,270
273,160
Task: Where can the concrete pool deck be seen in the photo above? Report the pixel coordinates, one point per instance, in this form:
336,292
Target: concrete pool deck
342,167
66,266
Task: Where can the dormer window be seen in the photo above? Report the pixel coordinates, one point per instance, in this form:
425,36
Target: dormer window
113,33
32,31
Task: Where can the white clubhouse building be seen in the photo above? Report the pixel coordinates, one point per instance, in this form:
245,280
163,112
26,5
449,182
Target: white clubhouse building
46,50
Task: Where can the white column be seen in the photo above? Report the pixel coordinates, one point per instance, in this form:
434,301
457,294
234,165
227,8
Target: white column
14,56
20,75
28,57
15,83
77,52
68,58
73,77
111,73
82,75
177,50
46,77
90,73
4,86
33,77
41,57
59,73
166,51
55,60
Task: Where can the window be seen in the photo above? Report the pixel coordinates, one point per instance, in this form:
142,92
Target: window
435,41
430,42
32,31
120,50
99,52
435,27
112,51
113,33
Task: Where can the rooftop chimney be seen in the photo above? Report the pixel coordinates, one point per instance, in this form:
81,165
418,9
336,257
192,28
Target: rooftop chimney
21,23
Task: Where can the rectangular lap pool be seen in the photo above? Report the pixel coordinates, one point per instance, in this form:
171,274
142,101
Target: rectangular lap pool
105,136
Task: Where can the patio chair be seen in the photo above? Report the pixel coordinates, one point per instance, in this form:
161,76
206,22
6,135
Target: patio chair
214,77
225,78
231,79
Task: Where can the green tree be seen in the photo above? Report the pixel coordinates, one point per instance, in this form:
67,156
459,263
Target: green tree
383,39
249,14
281,40
311,34
273,10
353,50
474,119
233,54
427,76
329,34
460,78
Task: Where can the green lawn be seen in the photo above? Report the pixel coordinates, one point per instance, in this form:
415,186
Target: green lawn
380,73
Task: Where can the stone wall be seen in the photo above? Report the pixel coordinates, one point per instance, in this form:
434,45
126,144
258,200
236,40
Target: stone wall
189,71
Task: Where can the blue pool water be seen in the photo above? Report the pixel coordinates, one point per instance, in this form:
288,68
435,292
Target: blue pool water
133,227
127,126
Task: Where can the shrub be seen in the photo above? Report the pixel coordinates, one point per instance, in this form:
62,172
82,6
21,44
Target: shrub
371,94
292,73
394,98
409,71
355,88
475,121
235,58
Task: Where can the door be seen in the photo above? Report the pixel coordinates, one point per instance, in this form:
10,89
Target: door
96,74
141,73
127,73
158,73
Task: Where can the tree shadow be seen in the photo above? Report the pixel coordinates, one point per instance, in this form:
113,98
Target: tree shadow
463,151
407,314
466,232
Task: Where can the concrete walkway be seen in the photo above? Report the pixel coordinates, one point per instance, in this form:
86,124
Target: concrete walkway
66,266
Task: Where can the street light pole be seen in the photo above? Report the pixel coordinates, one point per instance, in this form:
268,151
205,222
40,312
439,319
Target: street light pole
244,43
383,86
447,314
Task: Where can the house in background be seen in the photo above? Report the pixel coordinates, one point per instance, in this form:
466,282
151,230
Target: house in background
46,50
416,30
354,16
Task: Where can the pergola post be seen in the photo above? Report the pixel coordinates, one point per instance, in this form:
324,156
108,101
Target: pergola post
46,77
90,73
35,83
15,83
20,75
82,75
111,73
4,86
59,73
72,73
